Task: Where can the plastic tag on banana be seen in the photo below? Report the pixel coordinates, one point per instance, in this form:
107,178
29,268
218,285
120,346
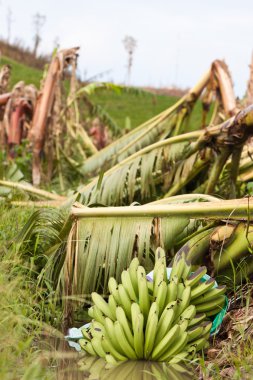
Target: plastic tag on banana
216,319
74,334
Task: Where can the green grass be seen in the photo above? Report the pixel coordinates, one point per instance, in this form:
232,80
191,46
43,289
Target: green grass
24,306
137,107
22,72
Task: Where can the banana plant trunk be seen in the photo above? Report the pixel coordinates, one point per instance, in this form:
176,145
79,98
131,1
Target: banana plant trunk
44,107
4,98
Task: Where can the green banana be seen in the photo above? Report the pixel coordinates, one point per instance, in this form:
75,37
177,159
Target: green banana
152,323
138,326
98,315
109,348
202,288
213,311
161,296
141,272
187,270
158,276
144,300
185,318
207,325
87,346
96,343
195,332
110,334
127,283
96,329
176,348
180,289
188,314
154,309
91,312
121,317
211,305
125,300
150,334
172,291
132,270
86,333
166,342
192,351
198,344
112,305
101,304
128,349
164,324
160,258
135,310
178,267
195,277
197,319
113,289
160,255
211,294
186,298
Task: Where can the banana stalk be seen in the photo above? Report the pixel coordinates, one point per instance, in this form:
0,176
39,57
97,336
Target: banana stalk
44,106
235,209
4,98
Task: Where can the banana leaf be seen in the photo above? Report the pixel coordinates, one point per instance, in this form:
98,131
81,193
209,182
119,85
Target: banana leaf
155,129
167,166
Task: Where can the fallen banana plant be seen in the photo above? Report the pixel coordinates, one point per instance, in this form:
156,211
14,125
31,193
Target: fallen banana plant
97,243
45,104
167,166
18,114
217,84
102,242
4,98
5,73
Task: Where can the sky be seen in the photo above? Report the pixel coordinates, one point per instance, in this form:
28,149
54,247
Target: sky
176,39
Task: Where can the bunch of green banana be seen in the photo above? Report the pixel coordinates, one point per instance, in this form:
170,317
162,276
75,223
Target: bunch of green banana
163,320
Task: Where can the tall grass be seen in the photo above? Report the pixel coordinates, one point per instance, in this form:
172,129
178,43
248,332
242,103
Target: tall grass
24,307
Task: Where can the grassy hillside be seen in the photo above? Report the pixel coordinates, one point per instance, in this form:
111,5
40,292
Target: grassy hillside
22,72
137,107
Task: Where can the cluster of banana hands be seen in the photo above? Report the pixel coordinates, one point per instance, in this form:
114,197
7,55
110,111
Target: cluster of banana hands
164,320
